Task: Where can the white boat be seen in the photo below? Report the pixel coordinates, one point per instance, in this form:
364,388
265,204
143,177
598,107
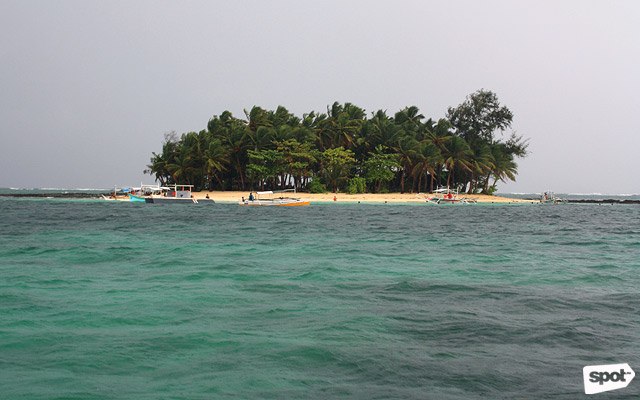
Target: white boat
551,198
123,194
447,196
175,194
274,198
172,195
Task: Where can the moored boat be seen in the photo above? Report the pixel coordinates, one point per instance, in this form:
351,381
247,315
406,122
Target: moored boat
115,197
551,198
175,194
172,195
136,199
268,198
448,196
118,194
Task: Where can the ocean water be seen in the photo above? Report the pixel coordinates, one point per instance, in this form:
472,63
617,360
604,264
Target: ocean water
111,300
575,196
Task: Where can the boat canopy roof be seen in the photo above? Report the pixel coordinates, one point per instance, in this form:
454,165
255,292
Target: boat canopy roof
182,187
277,191
170,187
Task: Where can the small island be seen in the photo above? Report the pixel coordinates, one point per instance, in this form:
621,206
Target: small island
344,151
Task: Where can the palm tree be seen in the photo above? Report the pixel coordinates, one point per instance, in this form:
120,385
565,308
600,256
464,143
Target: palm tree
319,126
217,159
261,138
504,166
429,158
379,130
182,169
409,117
406,147
194,144
481,162
343,125
236,138
303,134
159,162
282,133
282,116
256,118
158,166
457,155
439,134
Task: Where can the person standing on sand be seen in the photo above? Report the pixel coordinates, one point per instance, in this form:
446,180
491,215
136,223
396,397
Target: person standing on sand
250,196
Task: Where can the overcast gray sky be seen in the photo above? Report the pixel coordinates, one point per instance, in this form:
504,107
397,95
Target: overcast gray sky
88,88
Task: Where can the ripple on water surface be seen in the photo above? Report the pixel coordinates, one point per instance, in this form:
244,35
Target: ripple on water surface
104,300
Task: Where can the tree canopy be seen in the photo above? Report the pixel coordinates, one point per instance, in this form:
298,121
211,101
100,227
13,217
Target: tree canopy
343,149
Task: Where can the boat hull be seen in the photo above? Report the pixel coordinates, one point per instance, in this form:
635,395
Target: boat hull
170,200
116,198
136,199
439,201
296,204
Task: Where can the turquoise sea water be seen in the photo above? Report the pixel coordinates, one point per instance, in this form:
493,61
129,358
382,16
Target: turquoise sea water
110,300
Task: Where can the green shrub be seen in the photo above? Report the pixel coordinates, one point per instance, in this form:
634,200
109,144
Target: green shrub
315,186
357,185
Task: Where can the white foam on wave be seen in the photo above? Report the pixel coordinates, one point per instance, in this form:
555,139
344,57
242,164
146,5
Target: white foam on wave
593,195
56,189
604,194
72,189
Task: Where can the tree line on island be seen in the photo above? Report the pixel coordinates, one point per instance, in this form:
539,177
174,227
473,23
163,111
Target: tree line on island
343,150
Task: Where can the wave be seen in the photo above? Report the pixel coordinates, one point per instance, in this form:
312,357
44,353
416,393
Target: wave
53,189
604,194
25,188
595,196
569,194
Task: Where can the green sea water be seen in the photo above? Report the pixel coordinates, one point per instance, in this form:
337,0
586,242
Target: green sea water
110,300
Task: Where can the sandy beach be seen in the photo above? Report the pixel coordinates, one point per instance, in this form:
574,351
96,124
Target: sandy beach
232,197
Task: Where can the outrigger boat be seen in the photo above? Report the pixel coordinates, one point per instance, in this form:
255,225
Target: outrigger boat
448,196
176,194
126,193
118,194
267,198
551,198
139,194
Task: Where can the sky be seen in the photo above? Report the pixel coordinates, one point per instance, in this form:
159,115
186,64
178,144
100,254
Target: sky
88,89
